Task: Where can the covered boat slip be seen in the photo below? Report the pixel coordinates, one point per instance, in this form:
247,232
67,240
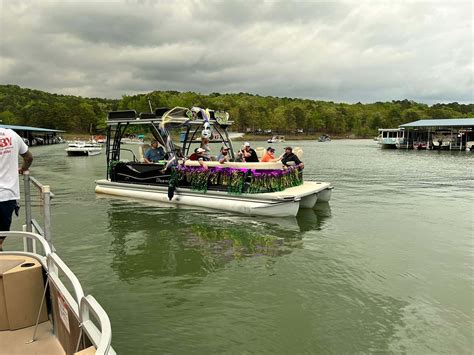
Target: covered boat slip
36,135
438,134
43,308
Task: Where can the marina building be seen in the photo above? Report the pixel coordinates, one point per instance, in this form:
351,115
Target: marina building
446,134
36,135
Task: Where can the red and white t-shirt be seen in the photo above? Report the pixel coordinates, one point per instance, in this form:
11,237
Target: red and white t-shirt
11,145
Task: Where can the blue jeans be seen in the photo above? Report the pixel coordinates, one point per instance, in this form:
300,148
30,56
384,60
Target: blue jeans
6,212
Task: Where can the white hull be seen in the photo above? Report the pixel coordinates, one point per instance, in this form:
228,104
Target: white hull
131,141
83,151
275,204
325,195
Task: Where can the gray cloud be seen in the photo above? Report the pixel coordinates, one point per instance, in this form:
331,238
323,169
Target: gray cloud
340,51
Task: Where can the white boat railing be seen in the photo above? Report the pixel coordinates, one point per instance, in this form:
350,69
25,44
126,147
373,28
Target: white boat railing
31,224
31,239
81,306
101,338
57,268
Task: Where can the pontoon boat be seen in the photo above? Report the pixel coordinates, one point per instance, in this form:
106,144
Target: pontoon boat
251,188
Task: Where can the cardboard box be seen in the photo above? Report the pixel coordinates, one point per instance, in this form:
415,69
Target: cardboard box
7,262
21,292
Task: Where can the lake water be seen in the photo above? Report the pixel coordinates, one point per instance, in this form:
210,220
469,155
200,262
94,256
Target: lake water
386,266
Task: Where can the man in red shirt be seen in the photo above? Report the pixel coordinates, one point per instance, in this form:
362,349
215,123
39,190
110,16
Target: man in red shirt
199,155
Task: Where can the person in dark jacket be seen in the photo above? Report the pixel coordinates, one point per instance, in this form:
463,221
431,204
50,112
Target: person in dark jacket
289,157
247,154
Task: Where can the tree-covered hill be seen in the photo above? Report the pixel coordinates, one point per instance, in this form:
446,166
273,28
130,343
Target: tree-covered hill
27,107
249,112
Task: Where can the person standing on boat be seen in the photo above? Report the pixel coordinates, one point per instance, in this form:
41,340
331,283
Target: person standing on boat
289,156
223,155
248,154
11,145
205,146
269,156
154,154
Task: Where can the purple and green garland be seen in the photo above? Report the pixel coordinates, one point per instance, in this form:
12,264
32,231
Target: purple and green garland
235,179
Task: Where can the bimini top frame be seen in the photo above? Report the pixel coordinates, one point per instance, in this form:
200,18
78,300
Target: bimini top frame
191,122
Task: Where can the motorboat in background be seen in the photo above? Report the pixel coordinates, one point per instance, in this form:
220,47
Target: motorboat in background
420,145
276,139
133,139
324,138
82,148
235,135
441,141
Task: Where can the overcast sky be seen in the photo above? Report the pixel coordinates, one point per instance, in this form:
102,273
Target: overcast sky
347,51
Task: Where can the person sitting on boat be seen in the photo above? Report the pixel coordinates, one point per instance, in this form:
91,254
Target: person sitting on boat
154,154
290,157
247,154
269,156
199,155
205,146
223,155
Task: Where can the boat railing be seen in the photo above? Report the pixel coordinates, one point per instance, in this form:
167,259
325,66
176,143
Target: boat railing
31,224
57,269
58,273
101,338
31,239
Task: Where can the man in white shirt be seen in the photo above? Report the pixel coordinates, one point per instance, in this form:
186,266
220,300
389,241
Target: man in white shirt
11,145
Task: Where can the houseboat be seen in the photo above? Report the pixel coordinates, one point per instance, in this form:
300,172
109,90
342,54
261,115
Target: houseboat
269,189
391,138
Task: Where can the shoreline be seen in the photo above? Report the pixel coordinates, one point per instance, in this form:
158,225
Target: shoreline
246,137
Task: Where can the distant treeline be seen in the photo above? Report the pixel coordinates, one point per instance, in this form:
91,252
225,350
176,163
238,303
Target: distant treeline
19,106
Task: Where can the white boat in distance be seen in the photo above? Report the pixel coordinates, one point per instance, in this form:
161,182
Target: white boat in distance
276,139
391,138
267,189
81,148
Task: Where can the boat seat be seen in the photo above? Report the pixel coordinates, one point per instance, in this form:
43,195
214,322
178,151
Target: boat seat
298,152
237,165
141,152
260,151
